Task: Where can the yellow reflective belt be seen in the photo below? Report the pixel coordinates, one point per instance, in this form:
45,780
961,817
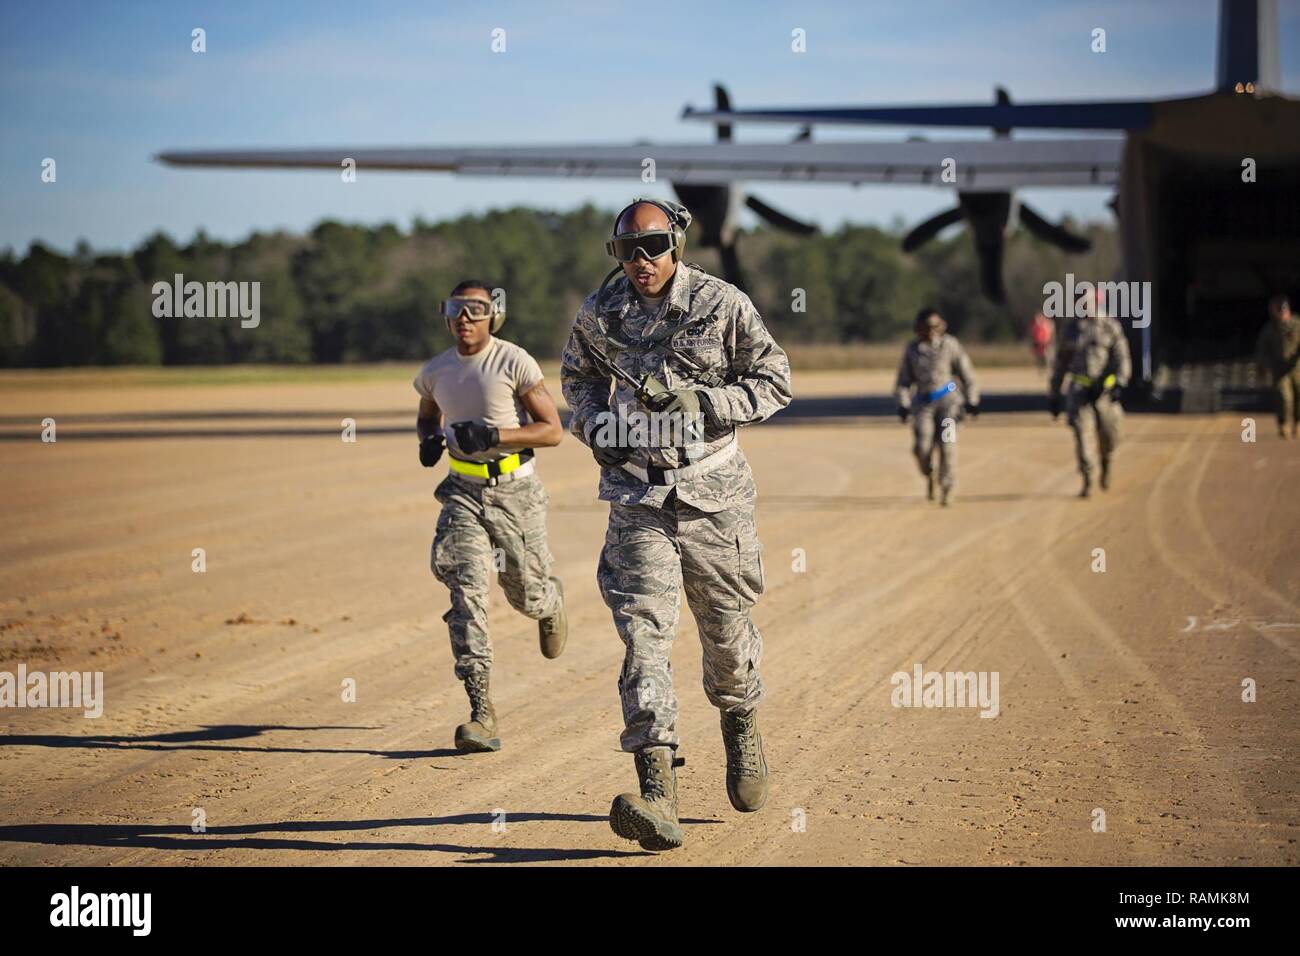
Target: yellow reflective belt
1086,380
480,469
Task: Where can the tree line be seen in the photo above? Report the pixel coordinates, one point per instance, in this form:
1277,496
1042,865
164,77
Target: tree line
354,293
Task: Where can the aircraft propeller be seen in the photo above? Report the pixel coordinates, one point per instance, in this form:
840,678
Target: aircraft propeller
989,214
714,206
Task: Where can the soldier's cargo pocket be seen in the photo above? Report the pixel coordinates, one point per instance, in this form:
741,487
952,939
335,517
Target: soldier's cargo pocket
749,553
537,557
443,558
534,563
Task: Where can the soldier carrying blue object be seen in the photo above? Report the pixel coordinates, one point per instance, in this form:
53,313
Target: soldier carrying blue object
936,381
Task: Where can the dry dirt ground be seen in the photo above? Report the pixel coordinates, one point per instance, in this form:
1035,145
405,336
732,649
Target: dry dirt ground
1119,691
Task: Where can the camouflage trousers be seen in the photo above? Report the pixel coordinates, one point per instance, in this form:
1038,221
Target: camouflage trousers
653,554
1096,425
934,426
1286,398
505,525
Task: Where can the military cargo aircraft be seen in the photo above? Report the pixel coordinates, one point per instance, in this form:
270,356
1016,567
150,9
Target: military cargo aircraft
1207,187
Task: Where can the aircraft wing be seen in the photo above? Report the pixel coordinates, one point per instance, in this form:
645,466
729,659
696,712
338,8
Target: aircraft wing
979,164
1106,115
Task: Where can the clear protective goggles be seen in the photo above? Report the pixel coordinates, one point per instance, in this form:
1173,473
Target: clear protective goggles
477,309
652,244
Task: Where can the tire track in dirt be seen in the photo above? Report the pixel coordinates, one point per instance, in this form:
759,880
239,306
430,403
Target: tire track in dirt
1219,596
1170,706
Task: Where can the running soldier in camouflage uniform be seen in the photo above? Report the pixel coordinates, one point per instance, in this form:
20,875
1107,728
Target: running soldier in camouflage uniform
934,365
493,505
1277,352
1094,353
681,517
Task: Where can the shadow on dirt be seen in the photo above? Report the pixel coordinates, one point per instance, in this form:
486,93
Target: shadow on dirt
251,836
203,739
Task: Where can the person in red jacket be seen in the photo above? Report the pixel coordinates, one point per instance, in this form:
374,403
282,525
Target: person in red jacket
1041,333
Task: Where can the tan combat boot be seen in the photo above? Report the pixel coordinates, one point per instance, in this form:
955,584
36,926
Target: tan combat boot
746,768
479,734
553,631
650,818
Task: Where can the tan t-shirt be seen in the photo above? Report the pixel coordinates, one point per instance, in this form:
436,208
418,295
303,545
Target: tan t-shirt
484,388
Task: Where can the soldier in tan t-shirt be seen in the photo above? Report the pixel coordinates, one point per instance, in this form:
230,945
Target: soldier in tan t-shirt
491,396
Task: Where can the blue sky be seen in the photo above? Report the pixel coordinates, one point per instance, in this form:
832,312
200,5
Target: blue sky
102,87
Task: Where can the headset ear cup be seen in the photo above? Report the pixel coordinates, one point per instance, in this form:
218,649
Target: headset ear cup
498,320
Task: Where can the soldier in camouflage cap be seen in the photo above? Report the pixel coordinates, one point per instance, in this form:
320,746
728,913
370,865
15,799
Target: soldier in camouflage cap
491,395
1094,353
933,366
1277,352
676,341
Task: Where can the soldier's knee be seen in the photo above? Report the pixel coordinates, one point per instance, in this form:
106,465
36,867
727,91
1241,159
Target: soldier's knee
722,608
530,601
732,681
459,571
446,570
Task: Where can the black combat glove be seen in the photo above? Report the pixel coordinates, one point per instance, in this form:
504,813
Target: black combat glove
610,456
431,447
1115,393
973,410
472,437
1054,406
903,414
607,456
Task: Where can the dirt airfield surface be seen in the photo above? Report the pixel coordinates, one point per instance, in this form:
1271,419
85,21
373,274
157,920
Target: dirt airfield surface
1119,692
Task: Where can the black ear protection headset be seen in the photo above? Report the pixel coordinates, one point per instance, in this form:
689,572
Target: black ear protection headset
679,220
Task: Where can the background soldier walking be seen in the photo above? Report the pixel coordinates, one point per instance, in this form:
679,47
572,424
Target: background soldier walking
1094,353
1277,352
676,341
933,366
492,393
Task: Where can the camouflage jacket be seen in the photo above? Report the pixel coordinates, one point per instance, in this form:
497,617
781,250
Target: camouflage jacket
1278,347
1093,347
713,323
928,367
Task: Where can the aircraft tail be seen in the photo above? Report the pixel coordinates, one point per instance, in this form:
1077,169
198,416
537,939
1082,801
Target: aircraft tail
1247,46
